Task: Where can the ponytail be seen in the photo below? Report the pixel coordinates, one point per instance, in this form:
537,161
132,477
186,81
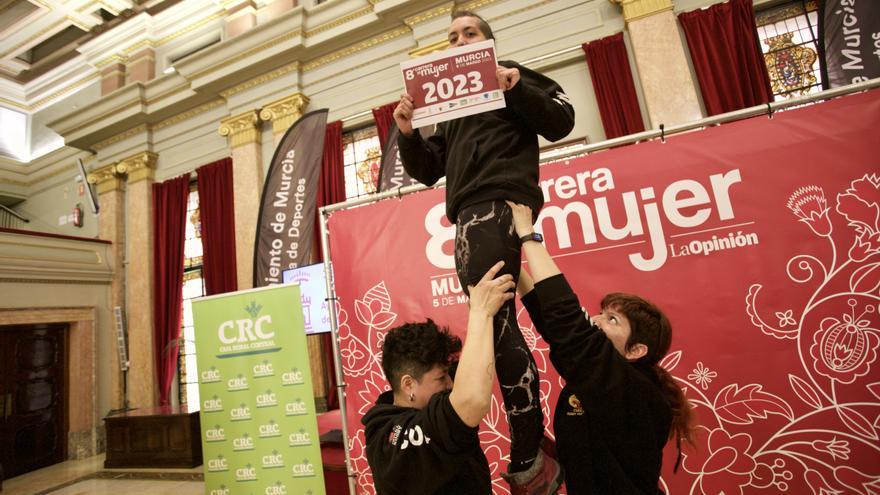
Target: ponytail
683,420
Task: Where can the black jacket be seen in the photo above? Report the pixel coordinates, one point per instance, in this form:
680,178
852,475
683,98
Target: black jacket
424,451
611,420
493,155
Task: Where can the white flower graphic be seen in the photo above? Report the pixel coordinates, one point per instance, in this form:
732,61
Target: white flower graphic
702,376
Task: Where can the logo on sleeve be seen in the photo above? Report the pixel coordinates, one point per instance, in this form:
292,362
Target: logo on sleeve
575,403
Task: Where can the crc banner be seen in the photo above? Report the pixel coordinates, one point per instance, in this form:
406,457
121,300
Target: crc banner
391,171
287,206
761,241
849,38
259,429
454,83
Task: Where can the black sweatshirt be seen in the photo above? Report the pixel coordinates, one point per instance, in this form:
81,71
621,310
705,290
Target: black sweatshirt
611,421
424,451
493,155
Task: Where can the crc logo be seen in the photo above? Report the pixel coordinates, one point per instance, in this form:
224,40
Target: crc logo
246,473
263,369
213,404
245,330
304,470
215,434
277,489
220,491
210,375
293,377
218,464
240,413
243,443
267,400
274,460
299,438
271,429
295,408
237,383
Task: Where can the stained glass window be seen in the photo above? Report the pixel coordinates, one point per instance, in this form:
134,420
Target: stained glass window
193,287
362,158
788,35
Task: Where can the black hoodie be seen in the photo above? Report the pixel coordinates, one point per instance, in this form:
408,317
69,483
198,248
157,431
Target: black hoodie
424,451
612,420
493,155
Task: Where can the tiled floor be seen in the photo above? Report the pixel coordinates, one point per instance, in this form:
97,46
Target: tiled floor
88,477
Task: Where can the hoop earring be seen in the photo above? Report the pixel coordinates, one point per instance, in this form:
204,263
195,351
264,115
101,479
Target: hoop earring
412,397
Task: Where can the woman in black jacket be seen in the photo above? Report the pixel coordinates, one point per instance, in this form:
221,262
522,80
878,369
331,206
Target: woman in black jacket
619,407
488,158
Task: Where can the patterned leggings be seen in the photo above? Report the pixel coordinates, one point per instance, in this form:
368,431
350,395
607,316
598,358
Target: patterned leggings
484,235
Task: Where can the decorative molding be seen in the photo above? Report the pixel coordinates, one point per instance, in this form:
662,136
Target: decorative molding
189,114
338,22
120,137
386,36
247,53
268,76
141,166
106,178
54,282
15,104
60,93
58,26
191,27
354,68
636,9
429,14
284,112
476,4
121,59
433,47
241,129
34,316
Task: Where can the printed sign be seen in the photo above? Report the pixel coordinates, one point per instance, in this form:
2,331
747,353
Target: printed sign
453,83
760,240
259,429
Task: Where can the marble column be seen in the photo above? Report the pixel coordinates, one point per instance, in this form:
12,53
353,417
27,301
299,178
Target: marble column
243,133
142,382
283,113
659,51
111,195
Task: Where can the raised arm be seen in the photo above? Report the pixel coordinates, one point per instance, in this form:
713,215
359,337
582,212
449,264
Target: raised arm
472,390
424,161
540,101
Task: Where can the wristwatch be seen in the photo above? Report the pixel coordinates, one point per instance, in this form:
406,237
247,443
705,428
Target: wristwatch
534,236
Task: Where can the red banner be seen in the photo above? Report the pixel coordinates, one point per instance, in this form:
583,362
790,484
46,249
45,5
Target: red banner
760,239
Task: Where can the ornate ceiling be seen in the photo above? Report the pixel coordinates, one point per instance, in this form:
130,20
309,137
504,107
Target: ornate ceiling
38,35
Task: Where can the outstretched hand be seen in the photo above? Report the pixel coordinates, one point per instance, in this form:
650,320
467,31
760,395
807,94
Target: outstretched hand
522,218
491,293
507,78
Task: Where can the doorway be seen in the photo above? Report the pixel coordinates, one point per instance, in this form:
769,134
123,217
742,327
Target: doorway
33,388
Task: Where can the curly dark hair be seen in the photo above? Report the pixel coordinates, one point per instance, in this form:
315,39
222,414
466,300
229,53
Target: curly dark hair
414,348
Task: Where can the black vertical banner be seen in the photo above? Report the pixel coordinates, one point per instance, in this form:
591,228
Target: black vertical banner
849,41
391,172
285,225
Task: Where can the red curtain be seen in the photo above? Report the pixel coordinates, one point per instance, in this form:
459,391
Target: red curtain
384,117
727,58
613,85
331,189
169,217
216,207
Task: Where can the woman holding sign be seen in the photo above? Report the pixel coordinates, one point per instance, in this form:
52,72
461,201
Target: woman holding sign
488,158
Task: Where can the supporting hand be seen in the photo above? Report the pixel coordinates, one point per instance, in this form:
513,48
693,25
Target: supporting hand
491,293
522,218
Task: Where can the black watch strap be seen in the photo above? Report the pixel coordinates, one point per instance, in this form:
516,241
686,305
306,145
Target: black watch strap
534,236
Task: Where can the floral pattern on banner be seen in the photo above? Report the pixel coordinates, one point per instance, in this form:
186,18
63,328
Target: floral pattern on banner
836,333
